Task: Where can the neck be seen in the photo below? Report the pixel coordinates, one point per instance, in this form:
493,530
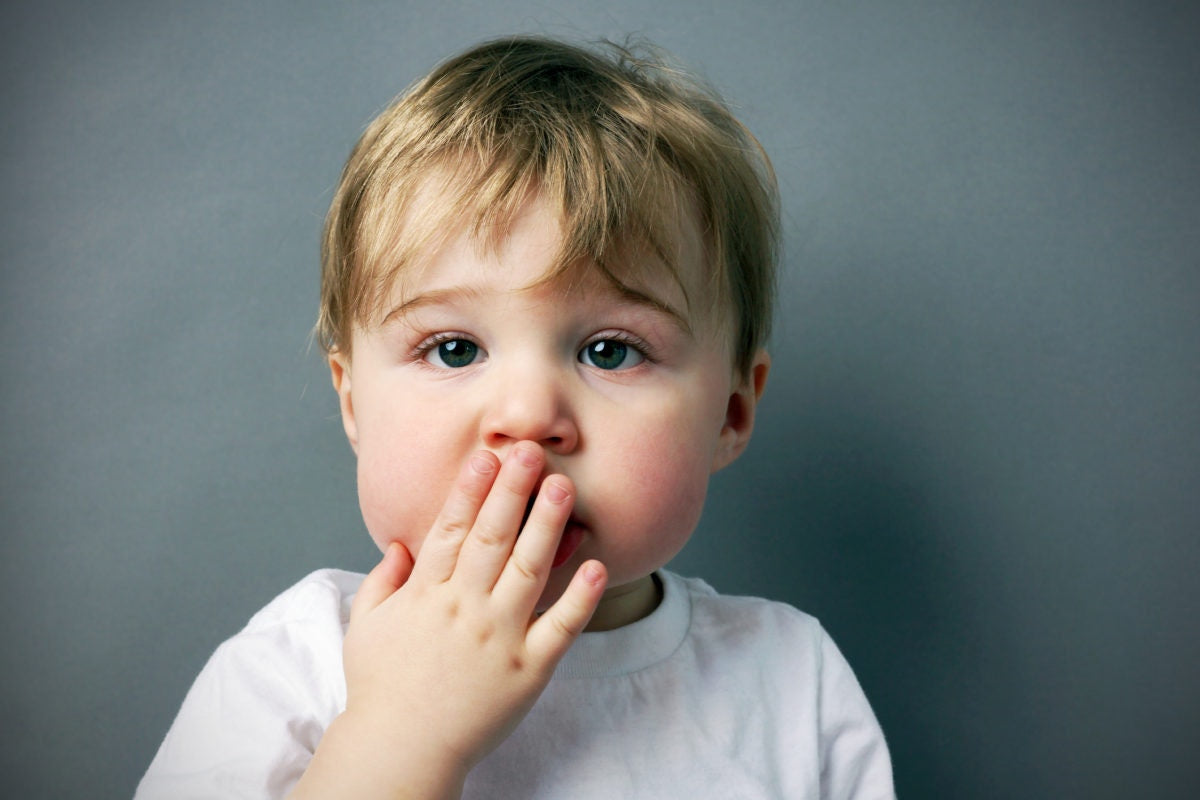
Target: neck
626,604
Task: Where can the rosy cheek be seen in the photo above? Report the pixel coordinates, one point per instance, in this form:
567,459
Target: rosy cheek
391,509
375,502
672,481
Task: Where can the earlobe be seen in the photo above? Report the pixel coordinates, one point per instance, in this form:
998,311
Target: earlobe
339,371
740,411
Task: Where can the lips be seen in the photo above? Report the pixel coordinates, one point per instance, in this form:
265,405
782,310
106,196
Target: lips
571,538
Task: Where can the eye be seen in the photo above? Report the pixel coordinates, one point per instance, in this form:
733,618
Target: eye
611,354
452,353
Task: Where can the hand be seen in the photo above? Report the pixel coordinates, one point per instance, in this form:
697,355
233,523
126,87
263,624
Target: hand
445,656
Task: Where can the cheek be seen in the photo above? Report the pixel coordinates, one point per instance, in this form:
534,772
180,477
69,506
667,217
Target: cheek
400,492
658,485
673,482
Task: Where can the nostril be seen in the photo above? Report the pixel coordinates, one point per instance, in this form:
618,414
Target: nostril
552,427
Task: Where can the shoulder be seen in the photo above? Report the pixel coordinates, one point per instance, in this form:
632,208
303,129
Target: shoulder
745,619
294,640
772,640
817,703
288,656
321,597
255,713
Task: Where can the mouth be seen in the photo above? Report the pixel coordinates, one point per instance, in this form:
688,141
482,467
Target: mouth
572,537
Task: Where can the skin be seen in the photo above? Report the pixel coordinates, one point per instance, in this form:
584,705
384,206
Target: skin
528,452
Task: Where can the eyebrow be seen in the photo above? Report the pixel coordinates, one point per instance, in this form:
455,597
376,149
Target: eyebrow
649,301
430,298
461,293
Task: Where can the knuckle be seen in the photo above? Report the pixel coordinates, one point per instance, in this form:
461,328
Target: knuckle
565,628
453,528
524,570
489,535
515,488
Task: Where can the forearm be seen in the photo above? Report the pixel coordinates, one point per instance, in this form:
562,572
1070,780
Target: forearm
357,759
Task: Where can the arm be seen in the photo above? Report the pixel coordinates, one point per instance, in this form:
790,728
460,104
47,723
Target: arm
855,763
256,712
444,656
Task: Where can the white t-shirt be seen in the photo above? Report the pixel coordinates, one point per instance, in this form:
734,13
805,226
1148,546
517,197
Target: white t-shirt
709,696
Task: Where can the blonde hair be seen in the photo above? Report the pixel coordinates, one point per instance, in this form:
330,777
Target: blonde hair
623,144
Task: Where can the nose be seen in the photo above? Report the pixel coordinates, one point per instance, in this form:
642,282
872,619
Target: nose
529,402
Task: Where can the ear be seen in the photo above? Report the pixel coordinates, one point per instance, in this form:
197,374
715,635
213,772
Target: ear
339,370
739,412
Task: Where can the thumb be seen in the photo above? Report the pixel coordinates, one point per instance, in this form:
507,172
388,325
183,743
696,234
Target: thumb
389,574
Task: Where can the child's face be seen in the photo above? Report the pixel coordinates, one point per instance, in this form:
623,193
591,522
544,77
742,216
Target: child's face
633,398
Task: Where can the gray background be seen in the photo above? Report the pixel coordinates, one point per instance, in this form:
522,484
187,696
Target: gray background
977,460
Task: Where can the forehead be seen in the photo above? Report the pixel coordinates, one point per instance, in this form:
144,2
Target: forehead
532,247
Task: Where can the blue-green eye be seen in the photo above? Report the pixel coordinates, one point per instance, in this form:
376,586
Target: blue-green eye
610,354
453,353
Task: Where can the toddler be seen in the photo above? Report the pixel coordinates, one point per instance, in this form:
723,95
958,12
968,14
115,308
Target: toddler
547,280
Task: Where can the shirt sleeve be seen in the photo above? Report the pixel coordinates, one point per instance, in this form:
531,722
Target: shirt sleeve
252,720
854,756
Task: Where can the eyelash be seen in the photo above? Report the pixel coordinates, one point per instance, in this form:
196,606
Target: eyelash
431,343
628,339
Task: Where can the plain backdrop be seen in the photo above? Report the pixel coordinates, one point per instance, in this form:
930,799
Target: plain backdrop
977,459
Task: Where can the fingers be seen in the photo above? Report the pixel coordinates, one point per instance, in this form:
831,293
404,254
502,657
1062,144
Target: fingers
475,538
439,551
528,567
560,625
488,547
389,574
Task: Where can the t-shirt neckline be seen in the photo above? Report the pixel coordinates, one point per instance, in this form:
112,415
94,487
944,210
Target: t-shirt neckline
634,646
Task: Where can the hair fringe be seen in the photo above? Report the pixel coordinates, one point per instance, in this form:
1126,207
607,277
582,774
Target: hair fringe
618,137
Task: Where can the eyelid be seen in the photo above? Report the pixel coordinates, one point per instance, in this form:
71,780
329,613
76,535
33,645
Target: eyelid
624,337
420,353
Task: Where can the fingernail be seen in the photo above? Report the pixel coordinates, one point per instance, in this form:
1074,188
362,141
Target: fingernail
482,464
592,573
555,493
526,455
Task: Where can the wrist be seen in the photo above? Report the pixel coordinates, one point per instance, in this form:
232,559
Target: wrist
359,757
